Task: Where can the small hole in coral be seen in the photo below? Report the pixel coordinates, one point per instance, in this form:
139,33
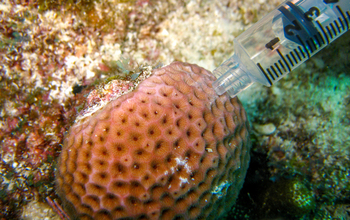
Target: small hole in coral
159,145
102,139
119,133
133,201
120,168
146,177
84,177
137,124
188,133
123,120
110,196
98,187
176,144
139,152
155,166
131,110
135,138
190,116
145,115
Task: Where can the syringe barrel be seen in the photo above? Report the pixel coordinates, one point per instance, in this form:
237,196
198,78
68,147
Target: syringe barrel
281,41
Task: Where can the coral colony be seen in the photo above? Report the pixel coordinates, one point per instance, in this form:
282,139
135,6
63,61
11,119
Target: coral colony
169,149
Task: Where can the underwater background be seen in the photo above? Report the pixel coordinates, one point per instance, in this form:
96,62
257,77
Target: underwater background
54,53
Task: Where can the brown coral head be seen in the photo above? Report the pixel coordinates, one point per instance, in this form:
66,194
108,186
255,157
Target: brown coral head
171,149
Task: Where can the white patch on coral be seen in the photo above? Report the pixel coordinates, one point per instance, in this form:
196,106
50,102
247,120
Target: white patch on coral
183,180
182,162
221,189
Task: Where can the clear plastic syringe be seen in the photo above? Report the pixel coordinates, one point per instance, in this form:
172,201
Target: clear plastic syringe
280,42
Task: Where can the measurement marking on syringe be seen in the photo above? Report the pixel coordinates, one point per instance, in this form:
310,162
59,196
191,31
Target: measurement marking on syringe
279,61
302,43
313,42
284,59
265,74
295,59
301,51
333,29
342,14
337,25
310,46
279,70
296,52
342,24
329,32
273,69
323,31
273,78
318,41
290,60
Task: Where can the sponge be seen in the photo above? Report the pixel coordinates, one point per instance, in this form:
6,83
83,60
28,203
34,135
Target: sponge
171,149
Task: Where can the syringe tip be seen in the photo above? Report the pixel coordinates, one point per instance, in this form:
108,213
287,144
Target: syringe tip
233,80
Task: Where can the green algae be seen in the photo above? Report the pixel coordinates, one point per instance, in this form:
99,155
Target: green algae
290,197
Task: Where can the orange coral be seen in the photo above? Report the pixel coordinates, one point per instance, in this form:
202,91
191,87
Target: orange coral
170,149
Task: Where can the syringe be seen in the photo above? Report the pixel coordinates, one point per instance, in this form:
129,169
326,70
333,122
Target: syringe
280,42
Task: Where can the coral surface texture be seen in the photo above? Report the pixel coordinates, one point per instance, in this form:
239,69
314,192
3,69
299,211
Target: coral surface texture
171,149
